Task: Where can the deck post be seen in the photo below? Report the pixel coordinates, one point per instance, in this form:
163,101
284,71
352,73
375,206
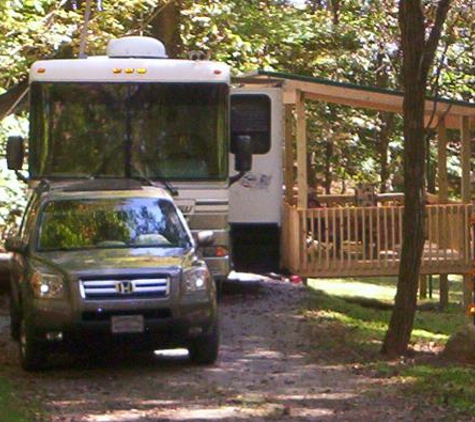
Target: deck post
423,286
443,184
301,151
466,191
289,155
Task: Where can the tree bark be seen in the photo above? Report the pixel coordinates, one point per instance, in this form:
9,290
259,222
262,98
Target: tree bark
328,166
11,96
418,56
387,122
166,27
384,136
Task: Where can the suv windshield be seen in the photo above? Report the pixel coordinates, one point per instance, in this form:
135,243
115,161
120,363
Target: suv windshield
110,223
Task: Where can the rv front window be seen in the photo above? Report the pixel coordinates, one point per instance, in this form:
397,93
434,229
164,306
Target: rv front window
175,131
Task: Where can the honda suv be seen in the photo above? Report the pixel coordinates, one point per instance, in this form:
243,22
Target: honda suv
109,261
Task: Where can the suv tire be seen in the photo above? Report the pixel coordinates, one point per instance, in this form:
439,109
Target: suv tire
204,349
33,354
14,322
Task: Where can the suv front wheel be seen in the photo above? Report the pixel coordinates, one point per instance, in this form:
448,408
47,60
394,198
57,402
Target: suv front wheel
33,354
204,349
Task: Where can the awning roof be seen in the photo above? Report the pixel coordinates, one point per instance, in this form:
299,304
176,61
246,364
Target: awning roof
353,95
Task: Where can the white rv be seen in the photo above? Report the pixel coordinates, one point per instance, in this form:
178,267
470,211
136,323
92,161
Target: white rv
134,113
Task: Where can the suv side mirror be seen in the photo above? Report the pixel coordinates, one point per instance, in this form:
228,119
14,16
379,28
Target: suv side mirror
15,152
243,154
16,245
205,238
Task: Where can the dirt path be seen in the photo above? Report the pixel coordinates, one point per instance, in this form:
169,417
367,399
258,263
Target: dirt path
266,370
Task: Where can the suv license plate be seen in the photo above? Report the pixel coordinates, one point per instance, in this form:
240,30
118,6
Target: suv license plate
127,324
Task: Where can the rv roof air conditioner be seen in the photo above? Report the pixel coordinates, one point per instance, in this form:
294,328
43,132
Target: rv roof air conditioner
137,47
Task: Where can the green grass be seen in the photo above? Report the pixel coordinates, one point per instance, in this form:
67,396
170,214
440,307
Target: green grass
434,326
352,324
449,387
11,407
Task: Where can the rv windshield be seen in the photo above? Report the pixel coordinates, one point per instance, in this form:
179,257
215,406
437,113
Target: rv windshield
174,131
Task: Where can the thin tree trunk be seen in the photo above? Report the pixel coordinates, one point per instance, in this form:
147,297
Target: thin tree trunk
431,167
384,136
328,166
166,27
387,120
335,8
311,176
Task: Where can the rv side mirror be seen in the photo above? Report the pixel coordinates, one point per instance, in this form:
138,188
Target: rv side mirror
16,245
205,238
15,152
243,154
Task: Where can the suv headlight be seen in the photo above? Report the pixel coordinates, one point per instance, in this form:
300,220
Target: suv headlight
47,285
196,279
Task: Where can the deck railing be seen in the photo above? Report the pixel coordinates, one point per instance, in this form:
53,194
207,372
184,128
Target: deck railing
355,241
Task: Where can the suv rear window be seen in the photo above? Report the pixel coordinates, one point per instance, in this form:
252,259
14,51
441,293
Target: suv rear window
110,223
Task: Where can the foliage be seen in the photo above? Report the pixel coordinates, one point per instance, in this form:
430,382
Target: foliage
38,29
12,191
349,41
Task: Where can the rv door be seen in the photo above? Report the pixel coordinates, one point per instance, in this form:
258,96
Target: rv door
256,199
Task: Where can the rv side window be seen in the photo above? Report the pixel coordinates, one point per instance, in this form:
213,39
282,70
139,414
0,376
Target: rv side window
251,115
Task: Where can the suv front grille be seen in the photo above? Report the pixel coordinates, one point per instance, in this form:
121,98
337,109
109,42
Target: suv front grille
156,287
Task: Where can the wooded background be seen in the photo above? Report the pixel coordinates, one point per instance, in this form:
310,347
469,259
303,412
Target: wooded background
349,41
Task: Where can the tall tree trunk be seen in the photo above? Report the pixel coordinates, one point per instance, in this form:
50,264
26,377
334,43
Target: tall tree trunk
418,56
328,165
431,165
343,182
311,176
384,136
166,27
335,8
387,120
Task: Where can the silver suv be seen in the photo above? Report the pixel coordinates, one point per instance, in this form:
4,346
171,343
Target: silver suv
109,261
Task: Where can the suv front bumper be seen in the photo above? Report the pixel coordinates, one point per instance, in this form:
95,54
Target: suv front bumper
165,323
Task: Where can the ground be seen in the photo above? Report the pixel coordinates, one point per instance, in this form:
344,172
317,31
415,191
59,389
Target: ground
269,368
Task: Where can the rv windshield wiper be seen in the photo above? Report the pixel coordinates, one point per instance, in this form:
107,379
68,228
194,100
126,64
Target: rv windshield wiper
168,186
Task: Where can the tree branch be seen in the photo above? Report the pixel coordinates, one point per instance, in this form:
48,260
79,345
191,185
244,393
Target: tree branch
434,36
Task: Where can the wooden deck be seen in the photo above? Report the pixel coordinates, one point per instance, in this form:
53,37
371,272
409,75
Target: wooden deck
366,241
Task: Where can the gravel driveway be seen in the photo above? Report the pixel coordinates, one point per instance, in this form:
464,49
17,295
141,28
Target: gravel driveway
266,371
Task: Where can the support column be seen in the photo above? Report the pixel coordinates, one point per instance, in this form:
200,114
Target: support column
443,184
466,192
301,151
289,155
423,286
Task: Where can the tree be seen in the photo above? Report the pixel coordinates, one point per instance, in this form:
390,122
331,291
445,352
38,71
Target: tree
418,56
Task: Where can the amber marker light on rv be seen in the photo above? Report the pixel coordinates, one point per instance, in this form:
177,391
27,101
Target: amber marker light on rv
129,70
117,70
41,70
141,71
